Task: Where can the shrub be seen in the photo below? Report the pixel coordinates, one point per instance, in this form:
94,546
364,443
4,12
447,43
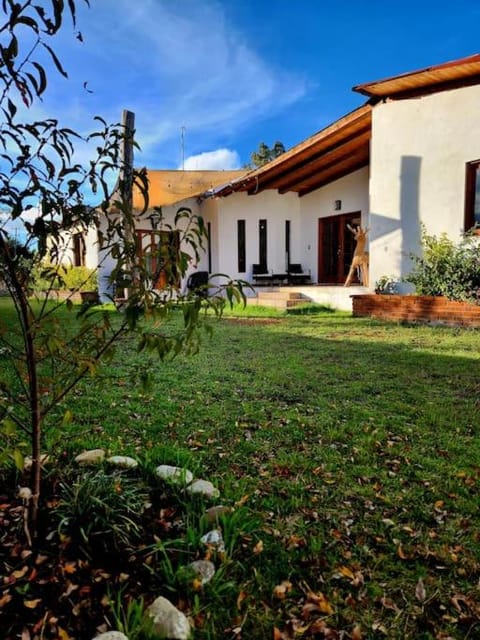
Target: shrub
64,277
101,512
386,285
447,269
80,279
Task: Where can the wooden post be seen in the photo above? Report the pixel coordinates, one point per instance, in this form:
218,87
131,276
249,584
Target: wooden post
126,183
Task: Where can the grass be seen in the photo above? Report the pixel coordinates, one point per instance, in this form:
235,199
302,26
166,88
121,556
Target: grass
350,449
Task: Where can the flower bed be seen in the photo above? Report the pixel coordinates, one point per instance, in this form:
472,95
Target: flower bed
421,309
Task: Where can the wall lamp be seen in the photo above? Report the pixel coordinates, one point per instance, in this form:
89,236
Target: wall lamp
155,218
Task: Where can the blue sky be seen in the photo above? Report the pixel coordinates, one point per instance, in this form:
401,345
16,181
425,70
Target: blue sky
237,72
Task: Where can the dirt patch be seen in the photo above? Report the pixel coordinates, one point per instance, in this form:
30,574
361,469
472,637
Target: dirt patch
253,321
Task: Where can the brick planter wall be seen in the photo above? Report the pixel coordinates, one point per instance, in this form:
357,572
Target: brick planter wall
421,309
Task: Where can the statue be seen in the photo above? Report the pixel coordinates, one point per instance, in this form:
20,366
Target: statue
360,256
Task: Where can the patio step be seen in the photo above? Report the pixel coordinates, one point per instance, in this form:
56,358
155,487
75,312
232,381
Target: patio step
280,299
336,296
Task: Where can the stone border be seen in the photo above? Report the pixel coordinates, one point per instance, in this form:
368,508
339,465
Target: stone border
416,309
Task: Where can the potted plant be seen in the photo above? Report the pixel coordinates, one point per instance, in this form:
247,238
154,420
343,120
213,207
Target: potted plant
386,285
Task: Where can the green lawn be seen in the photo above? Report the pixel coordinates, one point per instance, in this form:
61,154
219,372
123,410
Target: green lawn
351,451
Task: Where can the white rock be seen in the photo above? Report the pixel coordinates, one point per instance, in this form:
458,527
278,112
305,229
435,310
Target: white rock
168,621
204,569
176,475
203,488
111,635
27,461
214,539
25,493
124,462
93,456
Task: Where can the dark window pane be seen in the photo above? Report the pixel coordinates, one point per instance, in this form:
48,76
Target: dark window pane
262,249
472,195
242,262
476,203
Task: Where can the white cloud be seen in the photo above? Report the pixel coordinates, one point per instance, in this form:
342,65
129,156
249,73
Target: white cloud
16,228
174,64
220,159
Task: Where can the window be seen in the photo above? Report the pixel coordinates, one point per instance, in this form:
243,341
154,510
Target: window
241,246
287,245
472,195
160,251
78,250
209,246
262,244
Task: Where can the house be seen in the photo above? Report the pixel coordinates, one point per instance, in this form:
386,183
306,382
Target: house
409,156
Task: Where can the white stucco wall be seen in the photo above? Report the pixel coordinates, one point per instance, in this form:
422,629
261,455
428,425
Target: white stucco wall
352,190
91,247
106,264
276,208
269,206
418,154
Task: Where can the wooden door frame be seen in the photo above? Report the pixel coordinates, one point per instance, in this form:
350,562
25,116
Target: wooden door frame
349,216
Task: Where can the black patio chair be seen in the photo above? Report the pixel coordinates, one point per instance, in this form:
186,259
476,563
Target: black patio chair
197,283
296,274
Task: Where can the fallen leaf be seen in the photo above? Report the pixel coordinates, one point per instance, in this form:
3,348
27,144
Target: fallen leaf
258,548
62,634
70,589
389,604
319,626
294,542
346,572
31,604
5,599
401,553
19,573
420,592
70,567
321,601
241,597
197,584
356,633
281,590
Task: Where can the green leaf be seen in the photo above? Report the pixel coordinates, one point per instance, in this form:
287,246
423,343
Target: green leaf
9,427
18,459
42,77
55,59
67,417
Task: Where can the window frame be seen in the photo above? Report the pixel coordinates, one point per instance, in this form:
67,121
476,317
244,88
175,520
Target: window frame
472,175
163,246
79,249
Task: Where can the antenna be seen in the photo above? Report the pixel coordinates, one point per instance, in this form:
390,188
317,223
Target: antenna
182,145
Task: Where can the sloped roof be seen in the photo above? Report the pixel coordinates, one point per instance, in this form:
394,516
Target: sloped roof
333,152
169,186
344,146
449,75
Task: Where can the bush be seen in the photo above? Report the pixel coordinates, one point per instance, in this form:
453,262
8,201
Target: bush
80,279
447,269
101,512
68,278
